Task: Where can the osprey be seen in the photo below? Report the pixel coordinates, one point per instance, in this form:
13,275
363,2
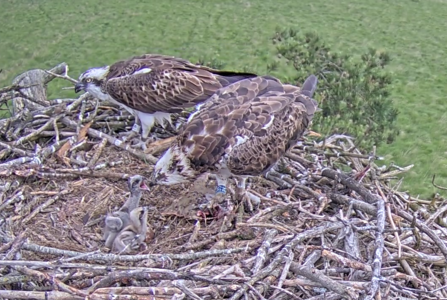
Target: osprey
242,131
118,220
153,86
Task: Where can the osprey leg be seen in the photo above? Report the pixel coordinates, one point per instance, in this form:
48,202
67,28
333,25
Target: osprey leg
221,189
245,196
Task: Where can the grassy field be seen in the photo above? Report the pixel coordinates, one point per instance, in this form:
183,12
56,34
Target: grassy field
42,33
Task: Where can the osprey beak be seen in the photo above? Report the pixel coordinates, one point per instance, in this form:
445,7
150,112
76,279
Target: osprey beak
79,86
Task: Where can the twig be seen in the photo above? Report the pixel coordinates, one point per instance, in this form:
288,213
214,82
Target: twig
390,220
122,258
18,196
185,290
266,225
14,149
423,227
255,291
343,261
113,141
283,276
261,256
285,291
395,172
76,103
323,280
317,231
48,124
32,295
437,186
352,184
16,162
98,152
216,291
43,206
65,76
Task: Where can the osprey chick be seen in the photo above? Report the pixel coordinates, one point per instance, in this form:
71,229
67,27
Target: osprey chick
154,86
242,131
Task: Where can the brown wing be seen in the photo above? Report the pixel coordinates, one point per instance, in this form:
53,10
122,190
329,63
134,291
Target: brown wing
259,153
171,85
256,112
153,61
239,110
169,90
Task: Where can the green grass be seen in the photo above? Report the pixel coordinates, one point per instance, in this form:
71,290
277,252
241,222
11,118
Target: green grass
40,34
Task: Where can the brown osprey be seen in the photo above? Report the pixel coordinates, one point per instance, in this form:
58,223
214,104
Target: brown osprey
153,86
242,131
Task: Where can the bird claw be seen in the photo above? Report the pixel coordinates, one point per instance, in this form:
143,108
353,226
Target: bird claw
215,200
213,207
139,143
251,201
126,136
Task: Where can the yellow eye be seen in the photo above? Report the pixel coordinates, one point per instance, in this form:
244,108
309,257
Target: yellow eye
89,80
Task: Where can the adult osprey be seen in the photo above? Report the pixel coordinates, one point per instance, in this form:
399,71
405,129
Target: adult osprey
242,131
153,86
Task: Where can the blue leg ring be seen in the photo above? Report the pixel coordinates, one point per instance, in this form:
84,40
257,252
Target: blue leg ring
221,189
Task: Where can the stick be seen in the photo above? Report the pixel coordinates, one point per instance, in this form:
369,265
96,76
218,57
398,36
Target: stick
48,295
97,134
283,276
123,258
43,206
261,256
316,231
48,124
352,184
323,280
98,152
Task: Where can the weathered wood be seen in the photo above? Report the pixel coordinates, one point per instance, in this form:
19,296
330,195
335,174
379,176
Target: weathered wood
32,85
50,295
158,147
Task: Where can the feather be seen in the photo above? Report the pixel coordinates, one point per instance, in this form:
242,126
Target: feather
153,83
242,130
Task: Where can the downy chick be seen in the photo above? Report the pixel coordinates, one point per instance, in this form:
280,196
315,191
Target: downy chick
114,222
133,235
118,220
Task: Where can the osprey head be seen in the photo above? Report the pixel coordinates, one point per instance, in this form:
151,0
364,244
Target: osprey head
172,168
90,81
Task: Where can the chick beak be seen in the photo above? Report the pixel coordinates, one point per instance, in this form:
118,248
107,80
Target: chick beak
79,87
144,187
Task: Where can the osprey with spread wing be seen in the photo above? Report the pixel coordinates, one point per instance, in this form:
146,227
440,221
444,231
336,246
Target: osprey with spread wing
242,131
153,86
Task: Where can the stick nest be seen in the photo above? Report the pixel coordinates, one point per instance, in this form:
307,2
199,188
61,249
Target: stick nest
331,224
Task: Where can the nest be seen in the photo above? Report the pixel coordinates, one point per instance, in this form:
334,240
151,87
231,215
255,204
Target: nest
332,224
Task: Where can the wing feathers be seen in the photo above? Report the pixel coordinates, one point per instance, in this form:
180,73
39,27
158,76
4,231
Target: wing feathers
171,85
309,86
250,123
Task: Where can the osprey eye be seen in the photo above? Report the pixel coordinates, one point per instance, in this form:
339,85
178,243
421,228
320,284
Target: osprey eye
89,80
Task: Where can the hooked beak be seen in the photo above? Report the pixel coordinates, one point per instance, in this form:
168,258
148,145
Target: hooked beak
79,87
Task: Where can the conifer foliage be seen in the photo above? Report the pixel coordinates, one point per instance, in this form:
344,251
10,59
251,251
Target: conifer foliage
353,92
